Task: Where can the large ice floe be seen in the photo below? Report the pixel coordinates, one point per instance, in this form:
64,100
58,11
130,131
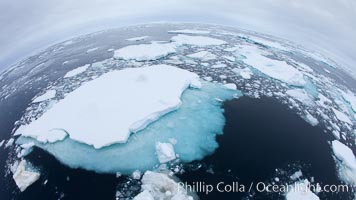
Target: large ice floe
346,162
24,177
156,103
145,51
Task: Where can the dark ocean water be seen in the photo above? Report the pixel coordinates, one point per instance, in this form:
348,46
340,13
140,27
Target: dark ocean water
260,136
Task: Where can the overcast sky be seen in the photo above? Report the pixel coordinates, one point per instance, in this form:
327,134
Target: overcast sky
325,25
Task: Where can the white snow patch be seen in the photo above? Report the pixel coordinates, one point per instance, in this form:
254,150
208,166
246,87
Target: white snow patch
160,186
24,178
76,71
116,110
300,95
144,52
189,31
137,38
346,162
165,152
49,94
300,191
341,116
196,40
276,69
231,86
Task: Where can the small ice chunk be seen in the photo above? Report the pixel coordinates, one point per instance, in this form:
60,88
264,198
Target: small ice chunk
24,178
300,95
189,31
296,175
311,119
92,49
158,186
300,191
196,40
245,73
231,86
10,142
49,94
144,52
137,38
203,55
341,116
346,162
136,175
2,143
165,152
220,65
76,71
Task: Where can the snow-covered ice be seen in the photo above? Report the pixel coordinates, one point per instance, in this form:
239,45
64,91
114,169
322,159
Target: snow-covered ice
346,162
301,95
116,110
165,152
76,71
196,40
231,86
10,142
193,126
161,186
137,38
142,52
300,191
189,31
24,178
276,69
341,116
49,94
245,73
350,98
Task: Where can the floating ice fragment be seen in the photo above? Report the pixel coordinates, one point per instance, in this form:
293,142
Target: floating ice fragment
24,178
196,40
341,116
300,191
49,94
2,143
137,38
189,31
165,152
203,55
231,86
244,72
350,98
346,162
160,186
144,52
76,71
10,142
300,95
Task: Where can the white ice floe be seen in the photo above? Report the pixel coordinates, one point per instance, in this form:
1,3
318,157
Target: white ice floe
311,119
245,73
137,38
10,142
301,95
341,116
189,31
203,55
346,162
92,49
350,98
300,191
231,86
49,94
165,152
161,186
76,71
276,69
24,178
196,40
143,52
136,174
113,106
2,143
